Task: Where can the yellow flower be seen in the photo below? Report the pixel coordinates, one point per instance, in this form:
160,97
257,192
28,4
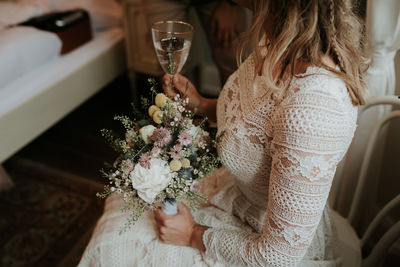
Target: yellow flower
152,109
185,163
160,100
157,116
175,165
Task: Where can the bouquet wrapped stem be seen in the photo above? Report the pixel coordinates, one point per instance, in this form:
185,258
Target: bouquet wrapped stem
170,206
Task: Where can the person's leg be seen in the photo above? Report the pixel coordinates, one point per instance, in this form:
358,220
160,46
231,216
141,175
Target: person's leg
165,10
224,56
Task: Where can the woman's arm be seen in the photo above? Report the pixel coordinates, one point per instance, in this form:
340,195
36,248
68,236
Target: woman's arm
208,108
196,240
311,134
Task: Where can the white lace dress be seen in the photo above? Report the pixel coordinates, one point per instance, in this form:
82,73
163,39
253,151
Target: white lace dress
272,212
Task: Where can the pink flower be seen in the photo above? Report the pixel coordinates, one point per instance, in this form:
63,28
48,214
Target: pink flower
176,152
156,151
178,115
126,167
161,137
144,160
196,186
185,139
116,162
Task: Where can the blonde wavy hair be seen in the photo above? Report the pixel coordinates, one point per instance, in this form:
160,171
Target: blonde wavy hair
302,31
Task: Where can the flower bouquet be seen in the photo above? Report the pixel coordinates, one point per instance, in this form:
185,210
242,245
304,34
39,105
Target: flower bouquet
162,156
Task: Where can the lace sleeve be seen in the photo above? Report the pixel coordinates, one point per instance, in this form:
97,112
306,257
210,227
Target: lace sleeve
311,133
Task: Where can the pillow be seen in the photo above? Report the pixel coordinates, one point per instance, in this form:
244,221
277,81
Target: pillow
23,49
13,13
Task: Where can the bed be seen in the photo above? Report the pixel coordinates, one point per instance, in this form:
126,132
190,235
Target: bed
33,101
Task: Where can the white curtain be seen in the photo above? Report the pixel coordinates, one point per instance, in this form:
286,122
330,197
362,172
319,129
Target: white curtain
383,31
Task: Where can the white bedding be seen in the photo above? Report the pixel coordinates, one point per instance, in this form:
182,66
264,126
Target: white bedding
34,82
104,14
23,49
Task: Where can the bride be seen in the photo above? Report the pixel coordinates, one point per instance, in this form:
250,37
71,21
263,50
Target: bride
289,114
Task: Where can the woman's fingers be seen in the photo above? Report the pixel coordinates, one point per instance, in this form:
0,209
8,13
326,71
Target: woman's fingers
157,216
178,84
168,88
183,209
181,85
160,217
176,229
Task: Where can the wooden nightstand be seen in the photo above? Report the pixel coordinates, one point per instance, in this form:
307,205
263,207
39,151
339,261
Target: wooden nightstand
140,52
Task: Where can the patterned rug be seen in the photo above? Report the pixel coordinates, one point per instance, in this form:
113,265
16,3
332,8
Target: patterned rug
46,219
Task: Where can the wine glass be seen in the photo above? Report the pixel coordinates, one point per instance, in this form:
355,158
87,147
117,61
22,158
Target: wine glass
172,40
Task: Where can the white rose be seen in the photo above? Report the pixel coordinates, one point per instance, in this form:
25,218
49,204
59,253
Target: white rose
150,182
146,132
195,132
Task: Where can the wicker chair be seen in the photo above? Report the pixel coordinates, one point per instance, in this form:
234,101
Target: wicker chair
351,243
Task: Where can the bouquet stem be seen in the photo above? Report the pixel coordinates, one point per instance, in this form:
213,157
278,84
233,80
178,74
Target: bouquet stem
171,83
170,206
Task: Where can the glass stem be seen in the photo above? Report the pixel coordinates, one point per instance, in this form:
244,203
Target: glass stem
171,69
171,82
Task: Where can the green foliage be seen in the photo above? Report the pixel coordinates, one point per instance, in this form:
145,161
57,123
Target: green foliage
153,87
126,121
106,192
136,207
113,141
137,113
194,199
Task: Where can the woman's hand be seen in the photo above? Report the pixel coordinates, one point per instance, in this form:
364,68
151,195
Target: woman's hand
180,84
179,229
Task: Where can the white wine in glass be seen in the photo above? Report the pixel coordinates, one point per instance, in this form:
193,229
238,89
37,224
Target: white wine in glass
172,41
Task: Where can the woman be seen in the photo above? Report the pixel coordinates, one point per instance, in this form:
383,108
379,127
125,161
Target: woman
289,114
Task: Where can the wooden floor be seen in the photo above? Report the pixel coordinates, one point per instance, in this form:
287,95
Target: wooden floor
75,144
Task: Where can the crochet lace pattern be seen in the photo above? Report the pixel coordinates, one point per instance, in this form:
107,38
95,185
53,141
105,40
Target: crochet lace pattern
283,158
